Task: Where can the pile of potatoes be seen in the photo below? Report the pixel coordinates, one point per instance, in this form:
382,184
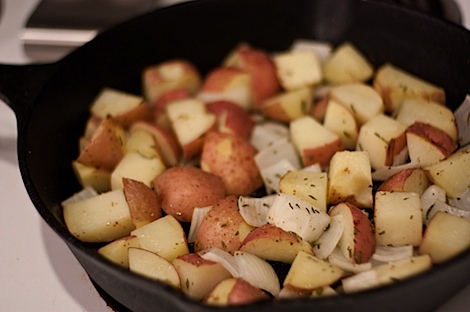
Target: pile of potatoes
263,140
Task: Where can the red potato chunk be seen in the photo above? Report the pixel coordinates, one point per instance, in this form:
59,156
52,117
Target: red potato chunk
233,159
143,202
181,189
223,227
106,146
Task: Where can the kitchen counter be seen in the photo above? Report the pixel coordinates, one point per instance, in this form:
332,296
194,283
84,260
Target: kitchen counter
37,270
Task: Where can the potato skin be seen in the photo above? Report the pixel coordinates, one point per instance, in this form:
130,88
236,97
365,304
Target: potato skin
223,227
181,189
232,158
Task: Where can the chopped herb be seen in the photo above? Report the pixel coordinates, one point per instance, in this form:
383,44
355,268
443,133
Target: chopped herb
380,137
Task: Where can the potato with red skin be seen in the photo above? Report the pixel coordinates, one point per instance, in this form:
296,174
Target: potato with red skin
227,84
357,243
142,112
169,75
408,180
159,107
270,242
261,69
428,144
143,202
181,189
233,159
232,118
106,146
198,275
233,292
223,227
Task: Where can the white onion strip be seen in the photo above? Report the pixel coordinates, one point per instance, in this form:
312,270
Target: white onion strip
429,197
338,259
255,210
461,118
389,253
462,201
293,214
272,174
198,215
224,258
279,150
327,242
257,272
362,281
85,193
268,133
441,206
383,173
250,268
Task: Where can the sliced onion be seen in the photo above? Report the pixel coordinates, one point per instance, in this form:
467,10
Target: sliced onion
389,253
327,242
198,215
429,197
461,118
313,168
282,149
255,210
322,49
257,272
338,259
293,214
272,174
268,133
462,201
362,281
251,268
85,193
383,173
224,258
441,206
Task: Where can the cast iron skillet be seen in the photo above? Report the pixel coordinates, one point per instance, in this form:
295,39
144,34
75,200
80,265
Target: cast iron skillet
51,105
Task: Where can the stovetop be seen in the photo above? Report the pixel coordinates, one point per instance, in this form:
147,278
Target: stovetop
37,270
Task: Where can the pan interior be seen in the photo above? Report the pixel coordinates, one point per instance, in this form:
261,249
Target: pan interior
204,32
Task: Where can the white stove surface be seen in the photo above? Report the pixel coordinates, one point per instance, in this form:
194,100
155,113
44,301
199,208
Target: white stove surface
37,270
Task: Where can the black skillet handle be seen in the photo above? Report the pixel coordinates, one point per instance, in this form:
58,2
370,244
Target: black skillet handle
21,84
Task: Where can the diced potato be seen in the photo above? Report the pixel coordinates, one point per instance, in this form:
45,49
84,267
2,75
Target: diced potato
102,218
310,186
308,273
394,85
117,250
350,179
164,236
347,65
398,219
445,237
452,173
137,167
298,69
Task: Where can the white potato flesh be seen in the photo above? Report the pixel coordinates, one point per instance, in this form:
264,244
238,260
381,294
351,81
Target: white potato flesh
101,218
164,236
112,102
153,266
137,167
398,219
